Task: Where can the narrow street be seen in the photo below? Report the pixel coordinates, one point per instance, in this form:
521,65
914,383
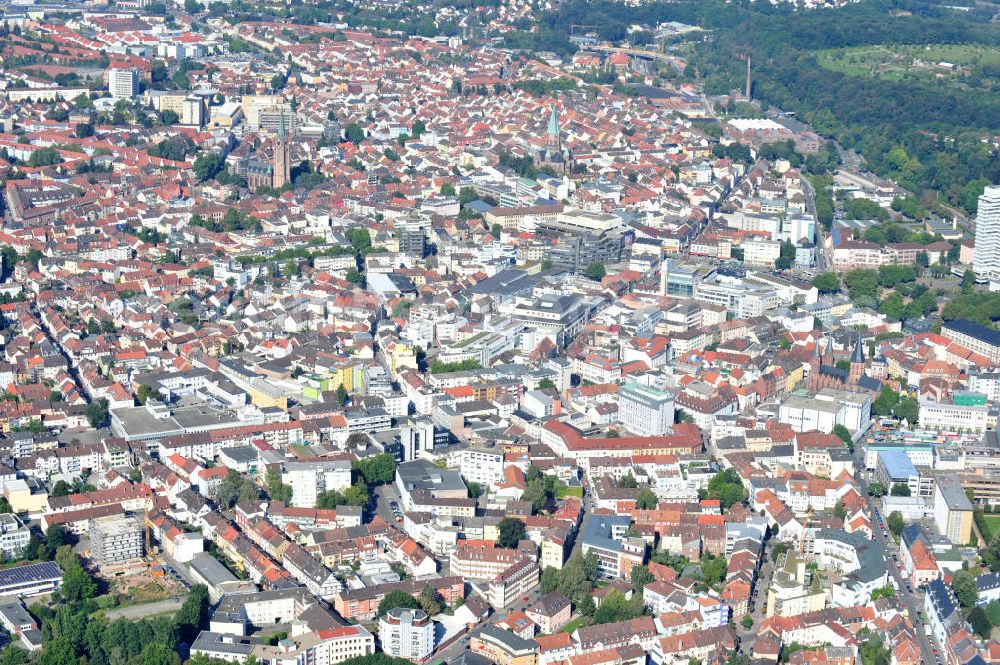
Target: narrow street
181,570
912,602
758,601
70,366
588,508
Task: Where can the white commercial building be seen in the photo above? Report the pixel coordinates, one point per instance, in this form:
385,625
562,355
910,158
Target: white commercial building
645,411
952,509
826,409
806,414
952,417
761,253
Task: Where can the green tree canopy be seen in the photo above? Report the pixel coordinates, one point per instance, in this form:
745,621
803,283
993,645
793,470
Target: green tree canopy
980,623
727,487
233,489
378,469
429,601
713,569
97,412
615,607
647,499
549,580
895,522
207,166
963,583
397,598
512,532
354,133
44,157
862,286
640,577
884,403
595,271
827,282
900,489
536,493
844,434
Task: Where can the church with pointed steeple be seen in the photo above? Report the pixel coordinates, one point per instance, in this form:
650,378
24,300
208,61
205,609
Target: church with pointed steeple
276,173
282,170
553,155
553,135
824,372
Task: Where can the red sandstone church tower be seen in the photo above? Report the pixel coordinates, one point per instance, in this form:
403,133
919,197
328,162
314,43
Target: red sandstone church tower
282,171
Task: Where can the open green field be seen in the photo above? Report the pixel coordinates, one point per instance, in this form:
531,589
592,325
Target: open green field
908,61
563,491
988,524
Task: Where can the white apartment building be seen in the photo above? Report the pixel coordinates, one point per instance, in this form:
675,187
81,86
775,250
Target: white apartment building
952,509
324,647
345,642
986,257
482,563
123,83
986,383
14,536
855,556
512,584
309,479
858,254
478,465
645,410
406,633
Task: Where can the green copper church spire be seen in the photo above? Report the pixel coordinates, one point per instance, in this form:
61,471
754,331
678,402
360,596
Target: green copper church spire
553,140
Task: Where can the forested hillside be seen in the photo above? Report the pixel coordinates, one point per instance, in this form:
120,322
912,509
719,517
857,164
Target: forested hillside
931,134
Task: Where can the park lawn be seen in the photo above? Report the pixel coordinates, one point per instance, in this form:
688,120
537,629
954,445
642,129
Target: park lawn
897,61
578,622
988,525
563,490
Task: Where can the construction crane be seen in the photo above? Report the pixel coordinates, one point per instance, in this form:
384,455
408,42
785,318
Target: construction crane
146,530
749,86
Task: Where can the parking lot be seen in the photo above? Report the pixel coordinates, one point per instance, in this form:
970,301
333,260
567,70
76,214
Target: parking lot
387,504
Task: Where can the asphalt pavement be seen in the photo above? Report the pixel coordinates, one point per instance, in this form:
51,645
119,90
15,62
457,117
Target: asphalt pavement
453,650
144,610
384,494
179,571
